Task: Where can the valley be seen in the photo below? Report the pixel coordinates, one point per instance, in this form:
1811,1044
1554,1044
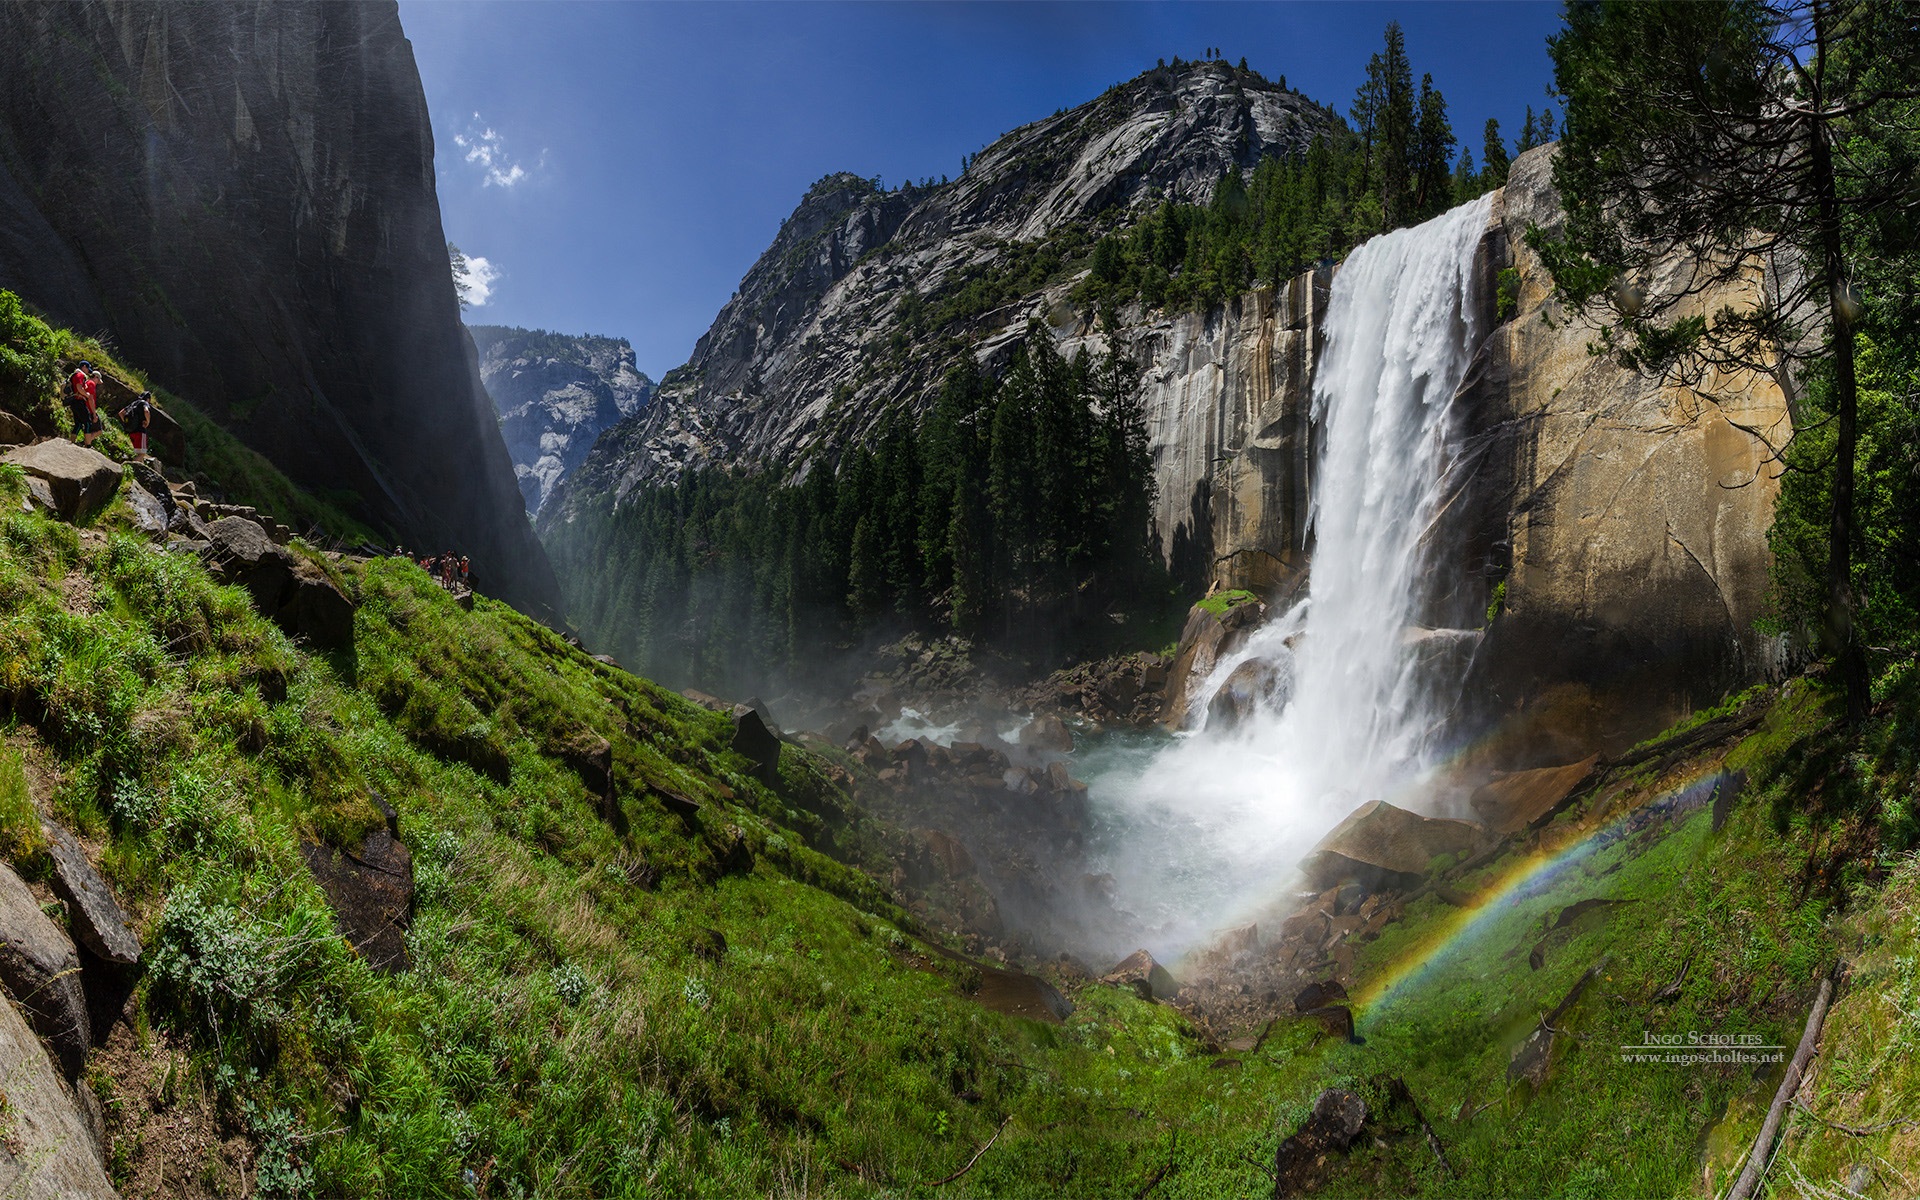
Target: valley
1219,651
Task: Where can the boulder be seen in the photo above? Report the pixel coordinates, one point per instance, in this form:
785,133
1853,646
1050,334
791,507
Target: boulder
949,855
150,477
1255,684
51,1152
1385,847
1204,641
79,479
150,516
186,523
1018,994
1319,995
1301,1160
1516,801
41,971
756,743
14,431
1047,732
288,589
1336,1019
371,890
98,921
1144,975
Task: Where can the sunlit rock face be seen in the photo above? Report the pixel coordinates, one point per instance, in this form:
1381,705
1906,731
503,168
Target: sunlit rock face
1627,518
241,196
555,395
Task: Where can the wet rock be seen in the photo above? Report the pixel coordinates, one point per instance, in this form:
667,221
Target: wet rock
1144,975
949,855
41,971
1021,995
1240,941
1300,1162
756,743
1385,847
1047,732
1517,801
51,1151
1204,641
289,590
371,891
99,922
79,480
1254,685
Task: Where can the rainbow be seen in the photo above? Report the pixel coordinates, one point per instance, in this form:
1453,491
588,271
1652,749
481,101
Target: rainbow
1512,880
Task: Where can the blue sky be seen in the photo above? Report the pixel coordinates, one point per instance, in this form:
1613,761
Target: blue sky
619,166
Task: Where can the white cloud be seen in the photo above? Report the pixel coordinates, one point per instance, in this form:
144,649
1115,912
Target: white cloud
486,150
475,281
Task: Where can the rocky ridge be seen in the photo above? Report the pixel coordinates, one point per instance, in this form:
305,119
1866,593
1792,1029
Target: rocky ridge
816,343
555,394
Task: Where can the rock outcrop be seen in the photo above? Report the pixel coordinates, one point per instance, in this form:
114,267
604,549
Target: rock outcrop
1380,845
290,590
50,1151
41,971
555,395
79,480
242,197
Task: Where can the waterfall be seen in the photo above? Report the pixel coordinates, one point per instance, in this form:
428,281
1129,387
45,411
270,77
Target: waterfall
1204,832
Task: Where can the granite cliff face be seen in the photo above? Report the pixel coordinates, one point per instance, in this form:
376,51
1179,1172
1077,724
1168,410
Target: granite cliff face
555,394
1625,519
830,327
241,196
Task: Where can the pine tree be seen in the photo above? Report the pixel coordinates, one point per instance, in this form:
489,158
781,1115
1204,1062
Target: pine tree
1493,157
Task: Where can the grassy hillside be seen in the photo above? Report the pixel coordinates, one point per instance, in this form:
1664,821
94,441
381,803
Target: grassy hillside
704,988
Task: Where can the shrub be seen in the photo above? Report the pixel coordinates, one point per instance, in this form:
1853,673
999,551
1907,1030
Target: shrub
29,366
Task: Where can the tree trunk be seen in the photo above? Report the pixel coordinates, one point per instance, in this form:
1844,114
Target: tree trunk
1843,640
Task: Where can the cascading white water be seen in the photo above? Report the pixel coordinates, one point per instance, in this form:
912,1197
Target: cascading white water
1207,829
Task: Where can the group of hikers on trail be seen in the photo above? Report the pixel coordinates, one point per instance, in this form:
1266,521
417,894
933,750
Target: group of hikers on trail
452,571
83,393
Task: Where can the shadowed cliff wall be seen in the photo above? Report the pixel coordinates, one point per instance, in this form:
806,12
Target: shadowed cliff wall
241,197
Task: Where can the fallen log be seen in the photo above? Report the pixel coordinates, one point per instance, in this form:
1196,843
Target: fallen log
1762,1152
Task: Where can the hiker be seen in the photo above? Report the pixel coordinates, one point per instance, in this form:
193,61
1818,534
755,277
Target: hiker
85,386
466,573
93,424
136,417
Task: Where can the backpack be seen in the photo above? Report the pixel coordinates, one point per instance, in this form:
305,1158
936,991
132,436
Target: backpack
137,415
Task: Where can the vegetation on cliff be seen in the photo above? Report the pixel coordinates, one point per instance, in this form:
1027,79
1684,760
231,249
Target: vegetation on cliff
1392,167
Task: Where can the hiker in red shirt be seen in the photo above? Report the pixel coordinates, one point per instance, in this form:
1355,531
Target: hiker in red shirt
80,393
91,424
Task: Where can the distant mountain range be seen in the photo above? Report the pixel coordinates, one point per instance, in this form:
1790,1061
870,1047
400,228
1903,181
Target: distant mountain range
555,394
